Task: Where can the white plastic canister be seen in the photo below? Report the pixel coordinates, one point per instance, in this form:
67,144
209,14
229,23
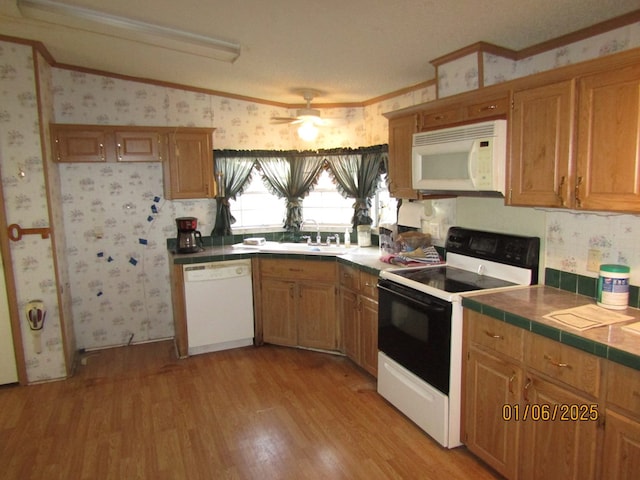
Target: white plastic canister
613,286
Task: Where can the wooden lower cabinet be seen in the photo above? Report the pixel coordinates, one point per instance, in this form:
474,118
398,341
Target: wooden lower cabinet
279,325
510,402
317,319
621,447
298,303
492,383
359,317
560,449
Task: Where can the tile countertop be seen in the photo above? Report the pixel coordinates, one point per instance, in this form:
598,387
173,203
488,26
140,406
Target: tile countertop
366,258
526,308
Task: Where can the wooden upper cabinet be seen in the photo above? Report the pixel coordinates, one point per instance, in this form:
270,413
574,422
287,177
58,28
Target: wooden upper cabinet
77,143
138,146
541,130
97,143
440,118
188,165
401,130
487,108
608,148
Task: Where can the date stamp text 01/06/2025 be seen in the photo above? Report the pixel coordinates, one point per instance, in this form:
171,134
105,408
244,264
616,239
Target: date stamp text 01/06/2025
564,412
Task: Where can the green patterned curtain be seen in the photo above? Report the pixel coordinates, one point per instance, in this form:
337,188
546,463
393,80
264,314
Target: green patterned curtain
357,175
291,178
234,171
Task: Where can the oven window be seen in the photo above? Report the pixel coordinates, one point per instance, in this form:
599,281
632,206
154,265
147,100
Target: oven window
414,329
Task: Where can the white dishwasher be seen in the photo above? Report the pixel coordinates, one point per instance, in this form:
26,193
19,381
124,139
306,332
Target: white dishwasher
219,302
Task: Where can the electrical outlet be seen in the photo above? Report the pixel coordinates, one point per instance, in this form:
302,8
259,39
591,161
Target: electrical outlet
594,258
434,229
98,232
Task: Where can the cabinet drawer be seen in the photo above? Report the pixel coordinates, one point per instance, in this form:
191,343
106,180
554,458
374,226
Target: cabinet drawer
488,108
286,269
438,118
623,387
369,285
495,335
566,364
349,278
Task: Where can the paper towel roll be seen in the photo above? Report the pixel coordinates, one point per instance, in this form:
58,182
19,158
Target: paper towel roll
410,214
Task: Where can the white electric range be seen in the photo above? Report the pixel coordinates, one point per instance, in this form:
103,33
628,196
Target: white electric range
420,323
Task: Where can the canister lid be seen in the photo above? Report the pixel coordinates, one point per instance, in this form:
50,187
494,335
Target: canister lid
613,268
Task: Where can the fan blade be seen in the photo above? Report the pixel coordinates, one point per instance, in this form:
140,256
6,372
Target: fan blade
277,120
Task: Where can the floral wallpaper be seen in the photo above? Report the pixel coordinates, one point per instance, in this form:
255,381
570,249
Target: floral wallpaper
461,75
571,235
25,202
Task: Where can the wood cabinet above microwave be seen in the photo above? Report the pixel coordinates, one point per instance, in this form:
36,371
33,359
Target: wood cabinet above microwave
103,143
478,107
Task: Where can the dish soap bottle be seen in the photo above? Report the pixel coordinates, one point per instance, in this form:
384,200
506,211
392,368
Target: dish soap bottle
347,238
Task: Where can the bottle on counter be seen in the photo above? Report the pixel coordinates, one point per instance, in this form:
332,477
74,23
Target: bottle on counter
347,238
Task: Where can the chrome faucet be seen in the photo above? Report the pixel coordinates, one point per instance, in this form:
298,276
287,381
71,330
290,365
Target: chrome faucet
318,237
333,237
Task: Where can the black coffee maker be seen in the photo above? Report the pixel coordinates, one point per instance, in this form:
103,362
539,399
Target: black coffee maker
189,238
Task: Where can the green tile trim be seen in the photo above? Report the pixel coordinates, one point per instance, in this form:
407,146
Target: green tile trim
472,304
580,343
583,285
552,277
624,358
634,296
545,331
517,320
587,286
569,281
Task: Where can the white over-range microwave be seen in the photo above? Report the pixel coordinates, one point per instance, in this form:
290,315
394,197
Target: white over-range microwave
468,159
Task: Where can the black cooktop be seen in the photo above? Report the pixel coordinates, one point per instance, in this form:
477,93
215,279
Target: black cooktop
451,279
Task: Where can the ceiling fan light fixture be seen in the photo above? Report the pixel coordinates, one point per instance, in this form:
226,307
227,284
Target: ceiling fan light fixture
308,131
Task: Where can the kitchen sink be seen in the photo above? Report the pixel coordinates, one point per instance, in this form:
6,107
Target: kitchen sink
275,247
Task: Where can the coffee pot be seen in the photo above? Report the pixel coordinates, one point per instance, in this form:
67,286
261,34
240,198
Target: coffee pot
189,238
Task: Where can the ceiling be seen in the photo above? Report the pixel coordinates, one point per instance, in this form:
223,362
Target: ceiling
350,50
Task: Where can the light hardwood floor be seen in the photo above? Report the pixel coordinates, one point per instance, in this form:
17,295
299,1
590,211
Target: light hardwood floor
252,413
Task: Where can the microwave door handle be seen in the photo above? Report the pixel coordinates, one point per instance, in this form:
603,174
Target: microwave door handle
472,164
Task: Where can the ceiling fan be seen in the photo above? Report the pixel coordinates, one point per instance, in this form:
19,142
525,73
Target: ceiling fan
308,118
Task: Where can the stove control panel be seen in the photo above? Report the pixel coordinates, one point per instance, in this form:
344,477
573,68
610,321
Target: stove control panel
517,250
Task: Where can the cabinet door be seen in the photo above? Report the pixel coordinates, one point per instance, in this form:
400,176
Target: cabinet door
488,108
138,146
489,433
608,148
621,448
541,136
440,118
278,312
350,321
188,169
401,132
369,335
316,316
556,449
75,144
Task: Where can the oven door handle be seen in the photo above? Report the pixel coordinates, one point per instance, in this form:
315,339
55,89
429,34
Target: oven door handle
431,305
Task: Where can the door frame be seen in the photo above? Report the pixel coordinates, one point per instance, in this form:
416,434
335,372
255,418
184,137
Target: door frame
12,297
